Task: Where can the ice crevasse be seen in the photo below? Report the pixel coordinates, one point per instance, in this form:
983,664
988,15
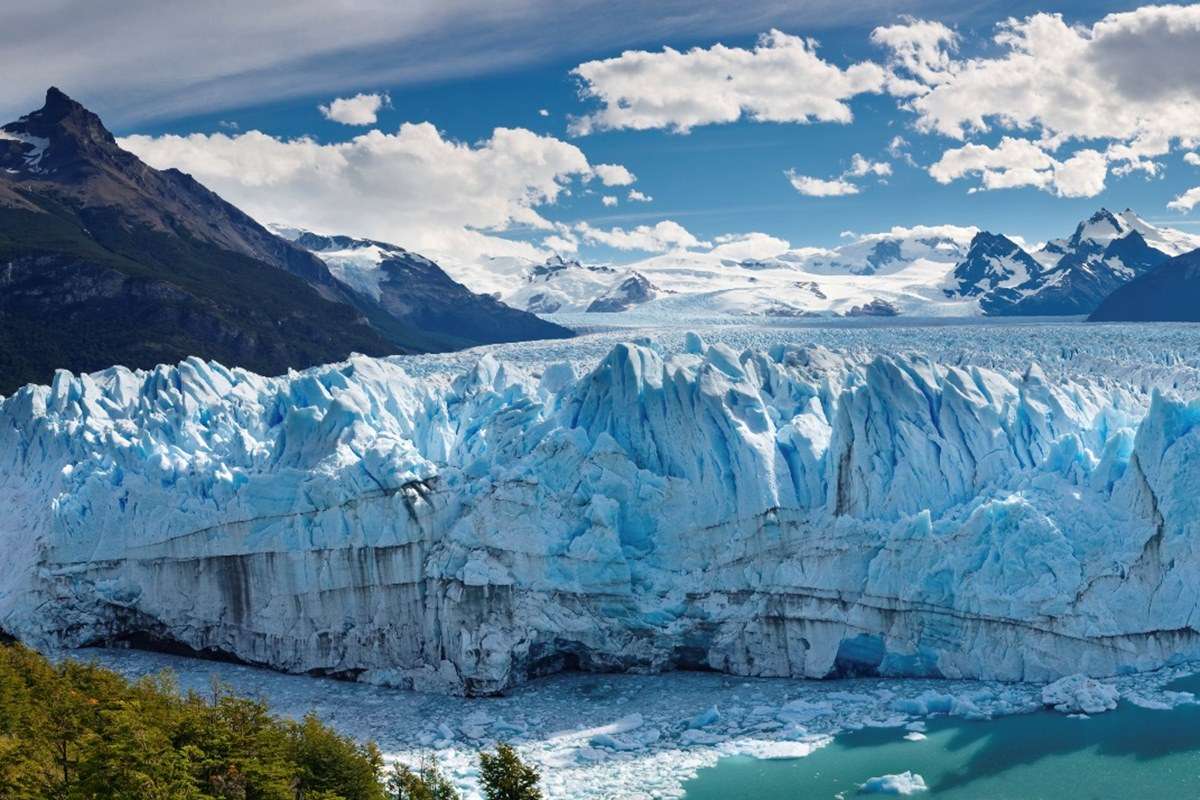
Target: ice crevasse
790,512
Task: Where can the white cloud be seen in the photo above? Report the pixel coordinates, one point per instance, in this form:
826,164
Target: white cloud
561,244
782,79
542,112
1020,162
750,245
860,166
921,48
898,148
228,124
1128,85
819,187
413,187
637,197
608,200
1186,201
1128,74
614,175
362,109
1192,158
300,48
659,238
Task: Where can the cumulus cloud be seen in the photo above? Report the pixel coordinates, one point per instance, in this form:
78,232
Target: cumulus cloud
608,200
782,79
1128,85
542,112
414,187
1192,158
613,174
819,187
659,238
1020,162
749,245
635,196
1186,201
860,167
561,244
920,48
1128,74
362,109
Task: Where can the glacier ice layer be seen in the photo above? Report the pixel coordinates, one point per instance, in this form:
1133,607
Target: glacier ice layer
790,511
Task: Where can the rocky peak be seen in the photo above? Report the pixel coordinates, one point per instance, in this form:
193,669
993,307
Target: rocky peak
60,135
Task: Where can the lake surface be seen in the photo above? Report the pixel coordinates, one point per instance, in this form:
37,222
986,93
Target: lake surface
1131,752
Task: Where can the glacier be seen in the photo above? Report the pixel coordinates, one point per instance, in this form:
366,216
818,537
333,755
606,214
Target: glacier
787,509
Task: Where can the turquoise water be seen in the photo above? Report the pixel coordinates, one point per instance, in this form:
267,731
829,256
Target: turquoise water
1131,752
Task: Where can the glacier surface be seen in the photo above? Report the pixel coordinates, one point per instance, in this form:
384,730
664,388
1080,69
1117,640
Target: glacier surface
1008,502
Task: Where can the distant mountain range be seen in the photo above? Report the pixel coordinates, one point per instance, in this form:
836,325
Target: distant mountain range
923,271
104,260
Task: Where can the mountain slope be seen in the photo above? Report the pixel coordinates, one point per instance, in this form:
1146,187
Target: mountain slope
105,260
417,292
1168,293
1066,276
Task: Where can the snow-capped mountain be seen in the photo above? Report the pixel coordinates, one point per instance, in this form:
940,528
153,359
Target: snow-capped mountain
1066,276
418,293
562,285
787,511
921,271
883,253
995,270
631,291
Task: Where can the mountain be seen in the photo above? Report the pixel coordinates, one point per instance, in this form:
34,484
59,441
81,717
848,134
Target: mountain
630,292
416,291
1065,276
1168,293
106,260
993,270
884,253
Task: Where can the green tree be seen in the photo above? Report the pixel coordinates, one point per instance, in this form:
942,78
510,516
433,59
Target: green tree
425,783
333,766
506,777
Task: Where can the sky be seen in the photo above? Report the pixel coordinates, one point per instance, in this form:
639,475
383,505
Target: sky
613,131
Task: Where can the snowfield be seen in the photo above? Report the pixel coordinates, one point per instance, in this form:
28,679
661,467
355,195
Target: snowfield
973,501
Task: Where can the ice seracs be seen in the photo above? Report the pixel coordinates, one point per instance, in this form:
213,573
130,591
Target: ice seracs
787,511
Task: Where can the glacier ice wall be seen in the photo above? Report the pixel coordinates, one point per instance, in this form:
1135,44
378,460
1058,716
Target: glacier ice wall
793,511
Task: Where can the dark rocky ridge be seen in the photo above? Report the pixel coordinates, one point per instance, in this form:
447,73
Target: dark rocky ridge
1168,293
105,260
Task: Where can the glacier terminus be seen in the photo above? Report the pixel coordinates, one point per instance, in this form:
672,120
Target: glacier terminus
785,508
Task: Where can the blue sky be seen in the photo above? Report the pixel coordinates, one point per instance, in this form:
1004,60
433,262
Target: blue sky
725,178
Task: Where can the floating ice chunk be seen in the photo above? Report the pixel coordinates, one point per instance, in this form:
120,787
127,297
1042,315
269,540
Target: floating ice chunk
1078,693
905,783
1163,701
915,736
709,716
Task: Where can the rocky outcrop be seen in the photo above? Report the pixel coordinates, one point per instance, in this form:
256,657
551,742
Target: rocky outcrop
791,512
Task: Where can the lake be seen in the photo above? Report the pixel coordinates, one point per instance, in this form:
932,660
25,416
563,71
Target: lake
1131,752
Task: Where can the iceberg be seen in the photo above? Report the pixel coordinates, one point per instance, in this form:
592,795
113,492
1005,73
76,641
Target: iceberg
779,511
905,783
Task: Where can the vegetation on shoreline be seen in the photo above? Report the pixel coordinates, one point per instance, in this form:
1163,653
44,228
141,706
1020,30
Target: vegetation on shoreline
76,731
